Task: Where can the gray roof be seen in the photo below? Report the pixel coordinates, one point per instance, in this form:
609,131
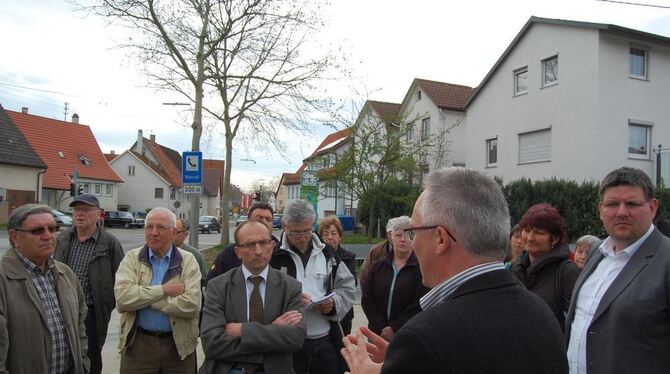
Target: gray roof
14,148
613,29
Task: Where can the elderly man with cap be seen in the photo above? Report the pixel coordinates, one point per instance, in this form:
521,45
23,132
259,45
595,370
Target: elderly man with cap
42,307
94,255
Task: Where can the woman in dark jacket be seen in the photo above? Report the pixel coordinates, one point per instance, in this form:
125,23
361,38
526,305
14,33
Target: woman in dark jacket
330,231
544,266
393,286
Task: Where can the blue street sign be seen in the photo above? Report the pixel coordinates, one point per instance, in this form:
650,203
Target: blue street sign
191,167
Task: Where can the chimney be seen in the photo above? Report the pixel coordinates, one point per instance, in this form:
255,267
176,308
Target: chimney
139,147
75,118
112,152
24,110
152,137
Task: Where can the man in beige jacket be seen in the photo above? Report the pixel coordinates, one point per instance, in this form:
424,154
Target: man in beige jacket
42,306
158,294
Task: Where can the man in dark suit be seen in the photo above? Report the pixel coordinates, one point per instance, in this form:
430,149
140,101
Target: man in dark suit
476,318
250,321
618,321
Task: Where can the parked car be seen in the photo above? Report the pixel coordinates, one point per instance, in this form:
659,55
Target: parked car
208,224
139,217
114,218
61,218
241,219
276,221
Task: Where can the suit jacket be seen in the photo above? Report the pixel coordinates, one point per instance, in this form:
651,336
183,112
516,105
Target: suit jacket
489,324
630,330
266,344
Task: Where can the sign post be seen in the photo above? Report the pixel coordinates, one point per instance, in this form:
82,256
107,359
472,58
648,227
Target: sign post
309,189
191,176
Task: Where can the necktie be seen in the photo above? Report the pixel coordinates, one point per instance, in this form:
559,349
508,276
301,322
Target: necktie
255,301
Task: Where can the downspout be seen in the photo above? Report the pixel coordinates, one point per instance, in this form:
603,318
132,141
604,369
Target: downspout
38,190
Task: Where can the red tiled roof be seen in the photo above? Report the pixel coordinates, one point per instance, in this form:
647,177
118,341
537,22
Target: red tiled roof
293,178
110,156
156,168
50,136
329,140
219,167
445,95
386,111
168,160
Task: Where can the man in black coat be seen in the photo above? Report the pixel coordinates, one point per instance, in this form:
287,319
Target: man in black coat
476,318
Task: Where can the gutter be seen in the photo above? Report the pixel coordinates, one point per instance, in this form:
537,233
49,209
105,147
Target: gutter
38,190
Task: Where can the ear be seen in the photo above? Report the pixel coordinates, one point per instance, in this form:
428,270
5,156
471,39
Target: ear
237,252
442,240
554,241
12,236
653,206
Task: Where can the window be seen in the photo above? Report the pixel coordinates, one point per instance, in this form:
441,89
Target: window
173,194
410,132
550,71
638,63
521,81
87,187
418,95
109,189
84,160
158,193
425,128
491,152
535,146
98,189
639,137
131,170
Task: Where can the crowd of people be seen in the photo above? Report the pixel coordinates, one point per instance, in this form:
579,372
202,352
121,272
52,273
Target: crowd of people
452,289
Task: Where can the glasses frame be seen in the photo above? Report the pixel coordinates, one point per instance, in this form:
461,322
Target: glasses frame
37,231
299,233
253,245
410,231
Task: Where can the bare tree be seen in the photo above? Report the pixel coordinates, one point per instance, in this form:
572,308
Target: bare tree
265,78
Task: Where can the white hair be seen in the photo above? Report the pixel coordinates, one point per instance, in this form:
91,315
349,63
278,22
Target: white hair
171,216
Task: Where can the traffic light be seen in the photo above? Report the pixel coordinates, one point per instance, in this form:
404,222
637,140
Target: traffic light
72,189
80,189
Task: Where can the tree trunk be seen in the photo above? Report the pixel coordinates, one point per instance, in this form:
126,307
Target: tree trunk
225,239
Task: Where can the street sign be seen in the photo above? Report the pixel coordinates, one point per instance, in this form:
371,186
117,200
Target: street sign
192,189
191,168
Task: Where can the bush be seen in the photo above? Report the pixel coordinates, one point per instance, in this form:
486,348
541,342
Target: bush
392,199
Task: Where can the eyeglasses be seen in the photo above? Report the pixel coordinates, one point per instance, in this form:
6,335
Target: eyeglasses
410,232
39,230
299,233
629,205
252,245
83,210
157,227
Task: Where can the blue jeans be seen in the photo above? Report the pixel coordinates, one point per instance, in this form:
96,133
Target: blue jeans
317,356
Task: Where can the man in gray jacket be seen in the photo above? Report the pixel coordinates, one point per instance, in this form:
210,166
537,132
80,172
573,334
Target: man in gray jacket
94,255
42,307
251,322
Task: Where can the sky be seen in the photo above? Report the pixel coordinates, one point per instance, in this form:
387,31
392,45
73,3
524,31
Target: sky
53,55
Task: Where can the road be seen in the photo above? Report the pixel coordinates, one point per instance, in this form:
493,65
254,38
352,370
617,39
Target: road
133,238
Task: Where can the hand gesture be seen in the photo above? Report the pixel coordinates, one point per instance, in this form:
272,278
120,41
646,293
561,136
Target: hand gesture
173,289
357,356
290,318
375,346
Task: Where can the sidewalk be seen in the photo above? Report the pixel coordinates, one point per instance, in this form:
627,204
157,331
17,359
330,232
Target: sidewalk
111,359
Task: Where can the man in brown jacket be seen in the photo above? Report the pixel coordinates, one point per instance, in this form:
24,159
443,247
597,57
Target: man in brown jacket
42,307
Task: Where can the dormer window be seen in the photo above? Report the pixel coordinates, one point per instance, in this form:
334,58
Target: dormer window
61,154
85,160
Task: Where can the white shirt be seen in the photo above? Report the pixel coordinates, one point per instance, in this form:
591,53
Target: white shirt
590,294
250,286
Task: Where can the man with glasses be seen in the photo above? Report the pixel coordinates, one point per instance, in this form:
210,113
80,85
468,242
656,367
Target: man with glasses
42,306
476,318
180,241
227,259
251,322
158,295
328,289
618,321
94,255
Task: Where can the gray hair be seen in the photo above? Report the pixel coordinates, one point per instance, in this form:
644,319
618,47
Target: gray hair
471,206
20,214
298,211
171,216
184,224
389,224
586,239
400,223
626,176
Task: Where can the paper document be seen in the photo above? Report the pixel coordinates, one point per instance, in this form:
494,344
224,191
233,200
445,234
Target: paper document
319,300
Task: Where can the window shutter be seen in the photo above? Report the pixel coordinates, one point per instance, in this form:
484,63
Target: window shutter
535,146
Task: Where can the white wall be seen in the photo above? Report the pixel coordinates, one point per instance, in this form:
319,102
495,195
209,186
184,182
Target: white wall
19,178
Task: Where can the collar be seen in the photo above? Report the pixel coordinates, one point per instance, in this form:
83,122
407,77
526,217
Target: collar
95,236
167,256
263,274
31,267
607,247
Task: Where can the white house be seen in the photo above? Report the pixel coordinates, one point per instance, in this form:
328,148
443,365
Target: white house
572,100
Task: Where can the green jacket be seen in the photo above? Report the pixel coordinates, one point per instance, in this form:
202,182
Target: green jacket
102,269
25,341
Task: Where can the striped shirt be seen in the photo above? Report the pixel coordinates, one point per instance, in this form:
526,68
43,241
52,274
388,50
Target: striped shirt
440,292
78,260
45,284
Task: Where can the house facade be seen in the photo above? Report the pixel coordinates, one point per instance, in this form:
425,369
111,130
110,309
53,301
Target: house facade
573,100
68,148
21,168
